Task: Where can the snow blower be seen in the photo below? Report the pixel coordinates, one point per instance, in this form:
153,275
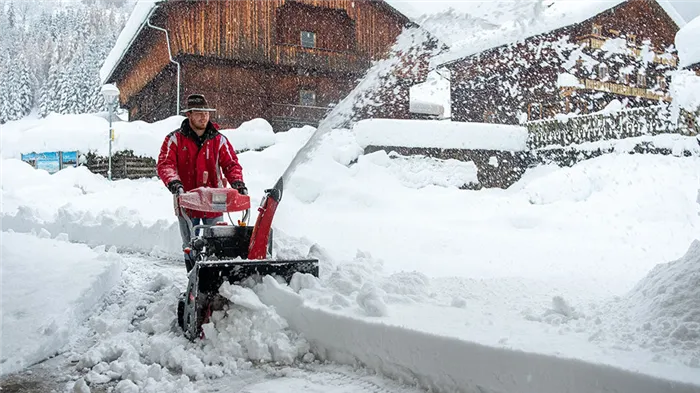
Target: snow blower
233,253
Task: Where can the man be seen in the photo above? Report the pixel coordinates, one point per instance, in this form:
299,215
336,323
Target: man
194,156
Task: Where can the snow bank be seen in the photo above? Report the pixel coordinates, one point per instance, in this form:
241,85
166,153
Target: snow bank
685,90
254,134
49,288
686,42
88,132
666,304
438,362
440,134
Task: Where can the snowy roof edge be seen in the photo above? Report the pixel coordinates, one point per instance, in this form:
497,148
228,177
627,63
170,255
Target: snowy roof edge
458,54
137,20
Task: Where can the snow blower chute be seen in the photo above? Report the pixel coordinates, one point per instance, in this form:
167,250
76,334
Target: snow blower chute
232,253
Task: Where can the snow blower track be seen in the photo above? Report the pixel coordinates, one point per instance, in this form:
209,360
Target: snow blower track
133,337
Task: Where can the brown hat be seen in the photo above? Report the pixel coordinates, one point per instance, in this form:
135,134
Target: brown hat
197,102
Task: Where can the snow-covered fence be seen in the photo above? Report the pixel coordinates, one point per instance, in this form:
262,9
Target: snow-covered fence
125,165
612,125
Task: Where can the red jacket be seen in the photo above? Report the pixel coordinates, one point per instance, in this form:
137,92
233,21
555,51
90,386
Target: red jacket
198,161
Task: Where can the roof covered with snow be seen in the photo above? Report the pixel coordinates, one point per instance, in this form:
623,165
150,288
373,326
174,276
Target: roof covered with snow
687,45
137,20
521,20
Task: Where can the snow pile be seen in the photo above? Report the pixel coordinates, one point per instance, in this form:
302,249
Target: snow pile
251,330
666,303
254,134
432,96
567,80
420,171
616,45
685,90
87,132
139,344
440,134
686,42
49,288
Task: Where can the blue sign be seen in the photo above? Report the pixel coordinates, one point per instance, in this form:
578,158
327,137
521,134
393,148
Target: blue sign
52,162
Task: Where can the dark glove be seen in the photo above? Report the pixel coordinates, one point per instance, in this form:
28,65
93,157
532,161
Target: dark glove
240,186
176,187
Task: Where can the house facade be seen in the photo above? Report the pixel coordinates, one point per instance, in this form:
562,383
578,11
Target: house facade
285,61
623,53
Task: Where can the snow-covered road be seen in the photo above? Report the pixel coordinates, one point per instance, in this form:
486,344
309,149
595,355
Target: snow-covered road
134,338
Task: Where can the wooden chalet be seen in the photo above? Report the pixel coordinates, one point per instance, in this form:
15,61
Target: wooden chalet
285,61
624,52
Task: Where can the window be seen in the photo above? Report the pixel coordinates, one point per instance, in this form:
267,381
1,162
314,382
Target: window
596,29
624,78
534,111
602,71
661,81
307,97
641,80
308,39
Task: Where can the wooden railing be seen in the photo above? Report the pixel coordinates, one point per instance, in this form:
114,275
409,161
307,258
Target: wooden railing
597,42
625,90
322,59
615,125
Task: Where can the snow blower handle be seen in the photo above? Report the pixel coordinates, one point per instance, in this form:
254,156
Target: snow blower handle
212,200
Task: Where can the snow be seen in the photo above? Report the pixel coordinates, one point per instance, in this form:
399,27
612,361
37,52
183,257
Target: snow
685,90
571,279
502,22
440,134
686,42
91,133
567,80
432,96
49,287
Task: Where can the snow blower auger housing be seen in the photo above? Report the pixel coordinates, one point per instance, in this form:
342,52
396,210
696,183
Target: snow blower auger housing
232,253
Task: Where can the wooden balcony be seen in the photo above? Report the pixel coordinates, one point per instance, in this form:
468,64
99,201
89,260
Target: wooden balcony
320,59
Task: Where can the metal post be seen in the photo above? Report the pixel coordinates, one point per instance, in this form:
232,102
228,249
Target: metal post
109,170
